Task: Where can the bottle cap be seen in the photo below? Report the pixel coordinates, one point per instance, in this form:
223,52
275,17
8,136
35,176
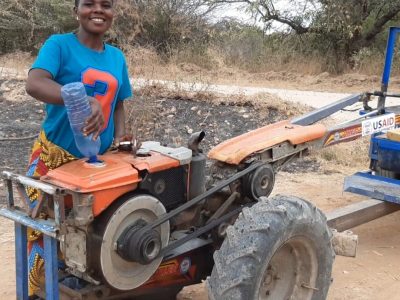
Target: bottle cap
92,159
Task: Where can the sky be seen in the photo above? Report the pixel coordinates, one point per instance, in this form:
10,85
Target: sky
238,11
233,11
291,8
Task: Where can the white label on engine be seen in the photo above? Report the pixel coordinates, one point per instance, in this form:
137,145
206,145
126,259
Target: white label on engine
379,124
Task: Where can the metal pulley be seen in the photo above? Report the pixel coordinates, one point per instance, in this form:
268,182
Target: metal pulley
260,182
127,257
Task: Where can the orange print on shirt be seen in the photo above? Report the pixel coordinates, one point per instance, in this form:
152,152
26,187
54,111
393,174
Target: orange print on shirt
103,86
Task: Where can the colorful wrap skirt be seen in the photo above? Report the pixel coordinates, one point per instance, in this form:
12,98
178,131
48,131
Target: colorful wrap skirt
45,156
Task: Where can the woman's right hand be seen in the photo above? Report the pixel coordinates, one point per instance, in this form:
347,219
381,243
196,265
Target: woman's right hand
95,123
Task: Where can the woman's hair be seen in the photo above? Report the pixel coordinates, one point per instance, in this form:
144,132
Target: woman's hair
77,2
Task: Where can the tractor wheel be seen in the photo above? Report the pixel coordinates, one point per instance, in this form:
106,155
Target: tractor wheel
280,248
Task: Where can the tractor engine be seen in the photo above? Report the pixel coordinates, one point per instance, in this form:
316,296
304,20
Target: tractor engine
109,202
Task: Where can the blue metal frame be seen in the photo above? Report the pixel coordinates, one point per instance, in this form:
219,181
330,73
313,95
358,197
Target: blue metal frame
49,229
21,264
373,186
365,183
21,261
391,43
51,267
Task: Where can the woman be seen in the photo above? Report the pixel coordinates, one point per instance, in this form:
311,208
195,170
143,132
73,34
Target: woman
65,58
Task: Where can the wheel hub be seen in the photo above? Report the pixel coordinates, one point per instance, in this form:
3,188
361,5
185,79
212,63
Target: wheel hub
291,271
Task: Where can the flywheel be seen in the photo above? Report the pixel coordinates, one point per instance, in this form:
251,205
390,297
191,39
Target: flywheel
127,257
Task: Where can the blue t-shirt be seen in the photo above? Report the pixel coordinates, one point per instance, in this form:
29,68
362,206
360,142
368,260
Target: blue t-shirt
104,75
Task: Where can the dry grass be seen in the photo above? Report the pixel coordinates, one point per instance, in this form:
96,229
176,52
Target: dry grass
143,62
299,74
352,154
15,64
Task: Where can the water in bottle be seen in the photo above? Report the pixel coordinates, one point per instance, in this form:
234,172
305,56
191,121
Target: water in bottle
78,110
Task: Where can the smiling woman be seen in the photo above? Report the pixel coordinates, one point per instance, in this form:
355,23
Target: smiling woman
95,18
75,57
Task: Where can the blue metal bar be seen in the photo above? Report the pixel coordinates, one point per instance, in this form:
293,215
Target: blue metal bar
51,267
389,54
388,66
21,261
373,186
27,181
47,227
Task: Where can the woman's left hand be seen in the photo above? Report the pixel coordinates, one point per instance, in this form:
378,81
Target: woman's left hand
94,124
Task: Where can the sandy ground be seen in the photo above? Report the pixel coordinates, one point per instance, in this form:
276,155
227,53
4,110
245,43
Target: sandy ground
373,274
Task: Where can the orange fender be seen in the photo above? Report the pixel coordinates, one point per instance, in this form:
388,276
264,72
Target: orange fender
235,150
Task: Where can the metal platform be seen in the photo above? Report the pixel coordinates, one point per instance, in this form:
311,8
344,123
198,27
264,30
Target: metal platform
373,186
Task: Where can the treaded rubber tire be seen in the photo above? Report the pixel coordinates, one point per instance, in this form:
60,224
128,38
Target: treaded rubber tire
257,234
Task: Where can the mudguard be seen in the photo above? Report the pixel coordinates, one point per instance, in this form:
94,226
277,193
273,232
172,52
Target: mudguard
237,149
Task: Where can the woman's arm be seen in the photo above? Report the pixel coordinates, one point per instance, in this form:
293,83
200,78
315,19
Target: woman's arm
41,86
119,121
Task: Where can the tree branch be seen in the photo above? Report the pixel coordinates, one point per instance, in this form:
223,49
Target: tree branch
380,23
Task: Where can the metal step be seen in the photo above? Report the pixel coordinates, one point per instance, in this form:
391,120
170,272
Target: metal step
47,227
373,186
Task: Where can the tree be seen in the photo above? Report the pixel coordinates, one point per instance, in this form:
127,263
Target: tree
345,26
168,23
24,24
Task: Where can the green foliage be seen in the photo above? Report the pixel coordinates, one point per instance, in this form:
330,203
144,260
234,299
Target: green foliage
241,45
171,24
193,53
336,29
338,33
166,25
127,24
24,24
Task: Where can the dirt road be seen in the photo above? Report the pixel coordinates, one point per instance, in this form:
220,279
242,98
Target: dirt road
373,274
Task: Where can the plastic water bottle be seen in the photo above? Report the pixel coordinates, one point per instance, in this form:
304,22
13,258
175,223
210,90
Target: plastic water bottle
78,110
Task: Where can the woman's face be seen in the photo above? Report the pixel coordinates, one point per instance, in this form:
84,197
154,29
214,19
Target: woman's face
95,16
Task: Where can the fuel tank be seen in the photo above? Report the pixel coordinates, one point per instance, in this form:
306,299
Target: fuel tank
116,173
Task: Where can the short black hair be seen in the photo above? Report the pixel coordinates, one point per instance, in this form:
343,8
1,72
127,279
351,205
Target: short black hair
77,2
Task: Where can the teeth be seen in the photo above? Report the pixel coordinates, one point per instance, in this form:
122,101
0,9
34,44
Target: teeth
97,20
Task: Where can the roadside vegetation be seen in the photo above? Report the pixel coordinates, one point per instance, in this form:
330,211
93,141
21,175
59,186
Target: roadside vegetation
307,36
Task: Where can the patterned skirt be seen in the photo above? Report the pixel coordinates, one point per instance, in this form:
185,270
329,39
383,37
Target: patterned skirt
45,156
